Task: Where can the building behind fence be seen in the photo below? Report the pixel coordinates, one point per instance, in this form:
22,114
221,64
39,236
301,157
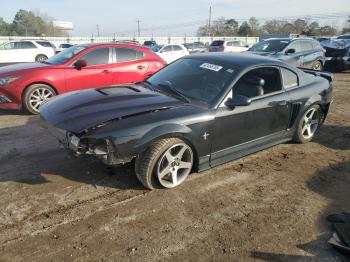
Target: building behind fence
160,40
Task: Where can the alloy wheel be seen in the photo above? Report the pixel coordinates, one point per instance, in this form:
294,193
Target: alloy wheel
38,96
175,165
310,123
317,66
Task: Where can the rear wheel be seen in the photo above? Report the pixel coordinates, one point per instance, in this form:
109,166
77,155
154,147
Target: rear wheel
35,95
317,66
308,125
40,58
165,164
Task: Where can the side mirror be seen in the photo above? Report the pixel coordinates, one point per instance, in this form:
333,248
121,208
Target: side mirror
246,45
237,100
290,51
80,64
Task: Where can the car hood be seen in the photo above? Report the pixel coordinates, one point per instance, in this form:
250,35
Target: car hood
79,111
20,67
335,44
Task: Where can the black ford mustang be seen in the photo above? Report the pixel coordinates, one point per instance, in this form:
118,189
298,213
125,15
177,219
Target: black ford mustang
198,112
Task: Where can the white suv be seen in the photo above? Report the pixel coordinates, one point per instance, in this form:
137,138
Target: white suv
170,53
228,46
26,51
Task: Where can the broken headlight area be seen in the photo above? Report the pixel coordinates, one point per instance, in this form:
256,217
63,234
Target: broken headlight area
102,149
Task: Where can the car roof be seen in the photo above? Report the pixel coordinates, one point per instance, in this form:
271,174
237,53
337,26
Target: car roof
289,39
92,45
240,60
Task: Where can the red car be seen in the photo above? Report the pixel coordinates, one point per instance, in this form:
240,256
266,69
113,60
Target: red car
79,67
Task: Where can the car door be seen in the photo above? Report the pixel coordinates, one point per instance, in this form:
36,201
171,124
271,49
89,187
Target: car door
309,54
296,58
95,74
262,122
27,51
129,65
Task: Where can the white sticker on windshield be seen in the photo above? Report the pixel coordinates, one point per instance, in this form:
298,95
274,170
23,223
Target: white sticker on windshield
212,67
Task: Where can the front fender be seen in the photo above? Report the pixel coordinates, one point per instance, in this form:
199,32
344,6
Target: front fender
162,131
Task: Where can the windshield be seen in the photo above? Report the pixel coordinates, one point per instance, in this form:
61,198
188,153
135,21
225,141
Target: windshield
195,79
270,46
156,48
65,55
344,37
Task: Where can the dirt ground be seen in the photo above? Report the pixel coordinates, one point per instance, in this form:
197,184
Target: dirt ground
270,206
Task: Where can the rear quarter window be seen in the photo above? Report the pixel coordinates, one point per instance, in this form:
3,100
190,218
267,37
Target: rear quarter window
128,54
45,44
289,78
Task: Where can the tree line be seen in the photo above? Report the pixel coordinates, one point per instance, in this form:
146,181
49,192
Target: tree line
230,27
29,23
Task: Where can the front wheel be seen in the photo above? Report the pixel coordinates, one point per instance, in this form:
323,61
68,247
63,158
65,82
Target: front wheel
35,95
165,164
308,125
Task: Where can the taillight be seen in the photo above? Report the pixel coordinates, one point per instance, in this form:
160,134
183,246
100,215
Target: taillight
222,48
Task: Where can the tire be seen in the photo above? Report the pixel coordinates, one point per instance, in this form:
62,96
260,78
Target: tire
35,95
317,65
40,58
308,125
154,170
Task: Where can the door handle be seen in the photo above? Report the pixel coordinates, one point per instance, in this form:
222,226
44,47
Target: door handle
140,67
105,71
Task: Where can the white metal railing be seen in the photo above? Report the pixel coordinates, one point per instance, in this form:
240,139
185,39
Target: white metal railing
160,40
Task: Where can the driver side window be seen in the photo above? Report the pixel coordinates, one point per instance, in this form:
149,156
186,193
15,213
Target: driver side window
99,56
167,49
295,45
8,46
259,82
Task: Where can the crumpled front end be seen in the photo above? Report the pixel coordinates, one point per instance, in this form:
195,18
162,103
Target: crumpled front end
102,149
337,55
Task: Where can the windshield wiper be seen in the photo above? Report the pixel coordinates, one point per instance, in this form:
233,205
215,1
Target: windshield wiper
147,84
176,92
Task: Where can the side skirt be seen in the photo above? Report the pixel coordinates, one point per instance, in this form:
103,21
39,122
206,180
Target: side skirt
241,150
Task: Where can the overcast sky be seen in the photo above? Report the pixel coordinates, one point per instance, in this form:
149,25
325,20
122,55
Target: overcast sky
163,17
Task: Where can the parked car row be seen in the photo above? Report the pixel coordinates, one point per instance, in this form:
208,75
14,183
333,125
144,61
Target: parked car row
92,65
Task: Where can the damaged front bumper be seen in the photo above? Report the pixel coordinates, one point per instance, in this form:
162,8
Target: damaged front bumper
101,149
340,63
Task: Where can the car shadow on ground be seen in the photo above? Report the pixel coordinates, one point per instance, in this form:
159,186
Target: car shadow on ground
31,155
332,183
4,112
339,138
